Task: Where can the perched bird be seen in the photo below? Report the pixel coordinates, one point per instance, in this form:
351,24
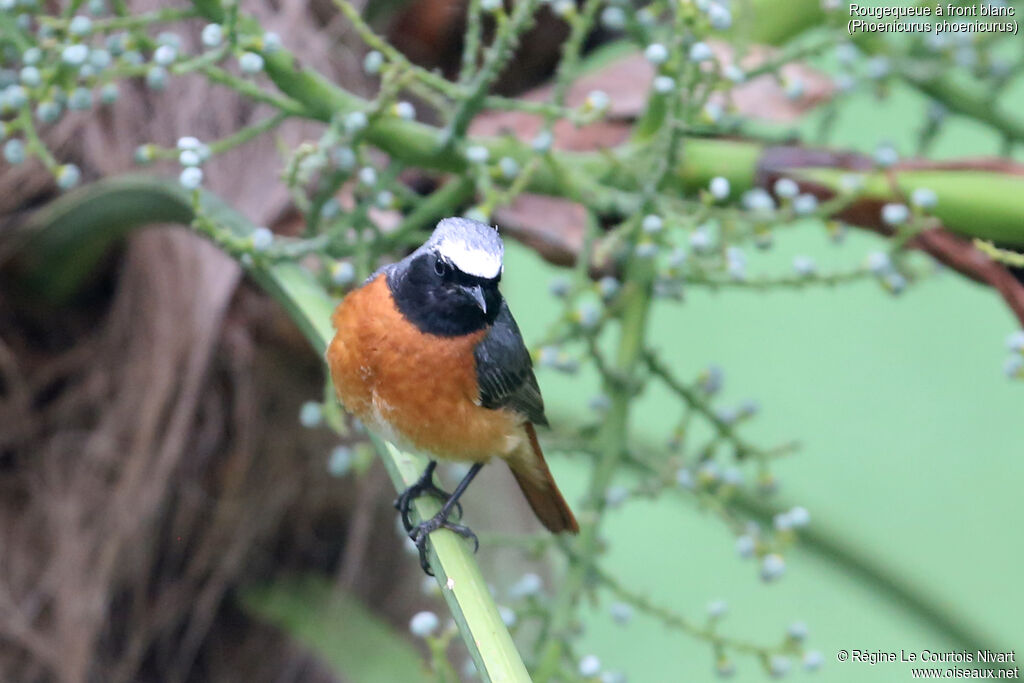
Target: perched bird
426,353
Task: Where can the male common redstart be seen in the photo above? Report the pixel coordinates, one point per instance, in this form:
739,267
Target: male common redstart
427,354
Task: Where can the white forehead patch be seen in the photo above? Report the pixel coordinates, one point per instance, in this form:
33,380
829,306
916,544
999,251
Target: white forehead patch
471,259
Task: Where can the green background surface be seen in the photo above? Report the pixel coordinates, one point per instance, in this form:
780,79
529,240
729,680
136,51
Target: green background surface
911,442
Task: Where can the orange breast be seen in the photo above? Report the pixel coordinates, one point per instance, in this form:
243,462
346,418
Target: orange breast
414,388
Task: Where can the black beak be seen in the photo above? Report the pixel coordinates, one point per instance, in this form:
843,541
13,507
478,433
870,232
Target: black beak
477,294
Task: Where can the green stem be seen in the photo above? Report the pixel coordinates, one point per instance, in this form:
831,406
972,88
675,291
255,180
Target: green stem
613,439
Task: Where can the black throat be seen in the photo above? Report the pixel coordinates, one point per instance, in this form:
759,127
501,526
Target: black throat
437,304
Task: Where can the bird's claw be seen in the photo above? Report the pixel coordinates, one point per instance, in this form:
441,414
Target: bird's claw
421,532
425,485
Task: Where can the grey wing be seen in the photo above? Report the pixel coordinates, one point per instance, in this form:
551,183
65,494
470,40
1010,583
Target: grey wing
504,370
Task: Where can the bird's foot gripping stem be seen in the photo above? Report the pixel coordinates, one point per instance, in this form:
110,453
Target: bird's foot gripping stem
421,532
424,485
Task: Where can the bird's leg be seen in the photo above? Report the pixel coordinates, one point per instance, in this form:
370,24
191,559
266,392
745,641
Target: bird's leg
425,484
440,521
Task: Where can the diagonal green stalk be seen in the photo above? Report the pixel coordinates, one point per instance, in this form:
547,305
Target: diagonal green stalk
62,244
613,441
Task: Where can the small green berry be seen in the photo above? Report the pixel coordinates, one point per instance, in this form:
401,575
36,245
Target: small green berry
700,52
719,16
663,85
262,239
75,55
30,76
597,100
652,224
212,35
778,666
48,111
772,567
343,273
924,198
311,414
509,168
734,73
813,660
786,188
189,157
895,214
80,99
80,26
250,63
14,96
719,188
165,55
590,666
405,110
372,62
368,175
423,624
191,177
355,121
100,58
621,612
68,176
797,631
109,93
156,78
613,18
271,42
805,204
14,151
745,546
656,54
803,266
477,154
542,142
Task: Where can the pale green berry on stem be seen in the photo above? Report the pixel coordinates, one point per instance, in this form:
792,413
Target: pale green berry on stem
340,462
75,55
80,26
212,35
250,63
423,624
165,55
372,62
589,666
14,151
405,110
311,413
656,53
786,188
68,176
772,567
156,78
191,177
262,239
719,188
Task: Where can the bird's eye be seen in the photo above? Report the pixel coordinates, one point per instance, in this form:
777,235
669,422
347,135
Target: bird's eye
440,267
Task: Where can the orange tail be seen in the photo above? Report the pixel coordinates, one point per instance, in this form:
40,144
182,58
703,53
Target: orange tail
534,478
